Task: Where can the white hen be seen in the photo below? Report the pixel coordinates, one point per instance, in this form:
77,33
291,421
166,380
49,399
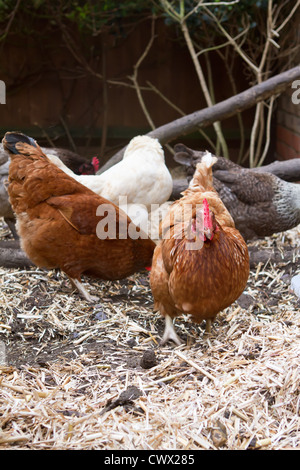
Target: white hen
141,176
139,180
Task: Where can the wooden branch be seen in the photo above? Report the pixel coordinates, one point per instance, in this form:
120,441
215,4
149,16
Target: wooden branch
274,256
14,258
10,244
179,185
287,170
220,111
226,108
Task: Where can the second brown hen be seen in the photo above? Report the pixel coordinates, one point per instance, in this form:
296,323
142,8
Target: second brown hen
59,225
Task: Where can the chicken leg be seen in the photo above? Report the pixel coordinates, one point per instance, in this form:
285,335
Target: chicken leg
79,286
208,326
170,333
209,322
11,223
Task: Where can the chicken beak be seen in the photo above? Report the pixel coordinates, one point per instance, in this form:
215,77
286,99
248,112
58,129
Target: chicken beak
208,232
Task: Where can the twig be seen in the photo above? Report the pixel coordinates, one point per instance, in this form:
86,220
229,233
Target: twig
289,16
134,77
232,41
176,108
11,19
196,366
105,99
203,84
65,126
268,132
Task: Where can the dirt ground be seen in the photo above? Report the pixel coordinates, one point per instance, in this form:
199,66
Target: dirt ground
75,375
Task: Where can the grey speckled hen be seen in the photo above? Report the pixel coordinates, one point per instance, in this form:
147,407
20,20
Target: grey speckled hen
261,204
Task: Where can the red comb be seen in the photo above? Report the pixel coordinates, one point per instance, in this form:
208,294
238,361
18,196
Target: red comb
205,206
95,163
148,268
207,220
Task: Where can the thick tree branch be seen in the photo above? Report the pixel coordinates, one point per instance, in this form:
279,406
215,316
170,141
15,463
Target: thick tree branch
13,258
290,254
220,111
287,170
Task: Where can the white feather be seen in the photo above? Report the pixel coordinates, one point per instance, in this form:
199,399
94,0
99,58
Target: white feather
295,285
208,159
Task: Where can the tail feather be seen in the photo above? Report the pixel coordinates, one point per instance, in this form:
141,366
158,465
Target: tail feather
208,159
202,179
11,139
31,182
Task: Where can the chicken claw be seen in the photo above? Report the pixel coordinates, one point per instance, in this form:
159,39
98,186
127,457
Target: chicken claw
170,333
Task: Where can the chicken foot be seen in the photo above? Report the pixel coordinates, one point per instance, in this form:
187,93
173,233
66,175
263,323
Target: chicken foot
79,286
170,333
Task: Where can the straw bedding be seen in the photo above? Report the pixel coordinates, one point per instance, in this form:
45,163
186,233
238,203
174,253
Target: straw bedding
79,376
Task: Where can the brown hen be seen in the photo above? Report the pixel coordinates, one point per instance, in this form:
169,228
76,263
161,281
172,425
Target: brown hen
201,265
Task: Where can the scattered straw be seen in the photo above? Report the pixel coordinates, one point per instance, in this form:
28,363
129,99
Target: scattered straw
67,367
